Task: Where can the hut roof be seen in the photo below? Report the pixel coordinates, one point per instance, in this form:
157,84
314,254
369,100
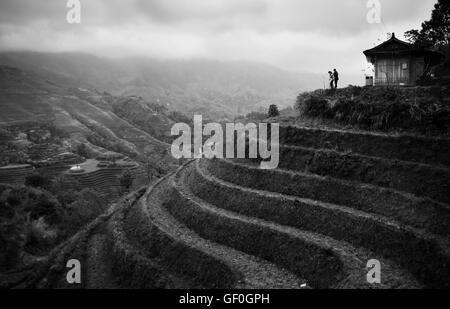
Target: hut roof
396,46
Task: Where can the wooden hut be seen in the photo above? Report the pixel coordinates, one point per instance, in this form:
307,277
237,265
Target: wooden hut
399,63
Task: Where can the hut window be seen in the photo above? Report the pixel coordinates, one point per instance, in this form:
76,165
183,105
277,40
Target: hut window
405,66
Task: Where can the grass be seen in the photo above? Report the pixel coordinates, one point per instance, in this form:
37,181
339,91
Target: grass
423,110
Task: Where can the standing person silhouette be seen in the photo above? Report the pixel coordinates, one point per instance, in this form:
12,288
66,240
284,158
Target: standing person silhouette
331,79
336,78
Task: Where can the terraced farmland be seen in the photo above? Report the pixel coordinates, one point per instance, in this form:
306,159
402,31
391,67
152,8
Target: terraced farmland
15,174
338,200
104,180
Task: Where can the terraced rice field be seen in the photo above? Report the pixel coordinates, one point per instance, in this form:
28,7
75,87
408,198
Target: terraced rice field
15,174
338,200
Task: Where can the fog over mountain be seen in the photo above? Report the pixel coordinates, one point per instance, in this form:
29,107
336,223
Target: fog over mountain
214,88
312,167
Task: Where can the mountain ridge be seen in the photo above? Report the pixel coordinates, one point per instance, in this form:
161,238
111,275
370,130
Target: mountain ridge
213,88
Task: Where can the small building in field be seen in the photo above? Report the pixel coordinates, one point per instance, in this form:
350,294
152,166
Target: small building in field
399,63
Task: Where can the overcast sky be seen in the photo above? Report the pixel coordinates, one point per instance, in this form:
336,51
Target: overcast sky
300,35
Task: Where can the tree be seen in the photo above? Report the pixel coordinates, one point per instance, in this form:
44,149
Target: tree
435,32
63,183
12,237
82,151
126,180
46,206
91,196
37,181
273,111
81,212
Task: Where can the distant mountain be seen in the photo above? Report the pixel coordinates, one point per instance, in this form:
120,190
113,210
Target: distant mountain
214,89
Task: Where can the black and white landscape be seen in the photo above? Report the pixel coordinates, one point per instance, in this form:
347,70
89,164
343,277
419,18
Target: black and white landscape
92,197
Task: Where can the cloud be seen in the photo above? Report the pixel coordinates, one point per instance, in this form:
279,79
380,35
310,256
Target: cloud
309,35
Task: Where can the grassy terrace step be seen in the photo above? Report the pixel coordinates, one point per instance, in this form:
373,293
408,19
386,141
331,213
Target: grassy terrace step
102,180
15,175
131,267
418,212
411,249
403,147
323,261
184,252
418,179
151,250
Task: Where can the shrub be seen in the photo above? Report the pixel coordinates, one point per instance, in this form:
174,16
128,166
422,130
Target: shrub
420,109
11,236
314,106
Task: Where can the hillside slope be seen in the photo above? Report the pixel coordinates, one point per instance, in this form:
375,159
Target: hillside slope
336,203
87,116
216,89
